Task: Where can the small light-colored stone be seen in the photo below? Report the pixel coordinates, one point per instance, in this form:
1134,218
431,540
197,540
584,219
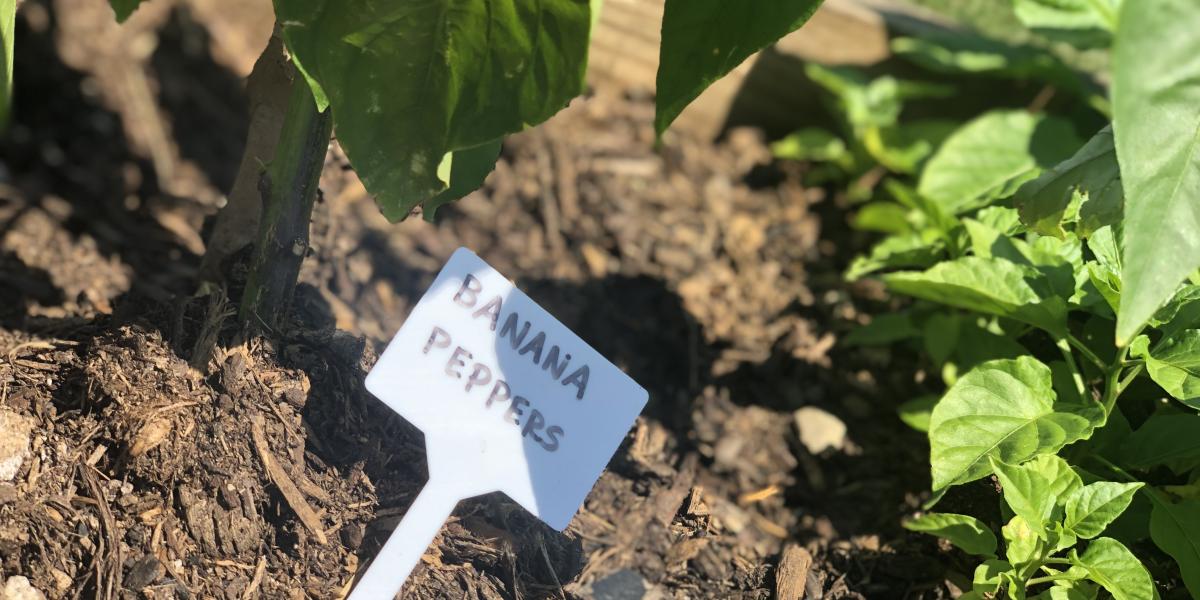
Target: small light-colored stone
15,430
820,430
19,588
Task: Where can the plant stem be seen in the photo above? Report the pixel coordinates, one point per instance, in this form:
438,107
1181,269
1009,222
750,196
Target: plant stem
1112,384
1065,347
1086,352
1049,579
1129,377
1115,469
288,188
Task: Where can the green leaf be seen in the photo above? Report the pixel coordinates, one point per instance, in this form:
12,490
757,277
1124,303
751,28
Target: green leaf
987,576
988,285
1027,493
916,412
917,249
811,143
1021,543
904,147
1002,409
1156,108
1110,564
991,156
884,217
121,9
1164,439
702,40
1092,170
409,82
955,53
1085,23
968,533
466,171
1091,508
1182,312
1175,529
1174,364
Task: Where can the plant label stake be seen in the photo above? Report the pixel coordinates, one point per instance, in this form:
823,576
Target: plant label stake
509,400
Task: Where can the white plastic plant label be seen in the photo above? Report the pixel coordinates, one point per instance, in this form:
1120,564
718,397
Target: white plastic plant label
509,400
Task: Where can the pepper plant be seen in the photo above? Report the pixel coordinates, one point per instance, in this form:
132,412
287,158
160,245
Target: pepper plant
1058,295
420,94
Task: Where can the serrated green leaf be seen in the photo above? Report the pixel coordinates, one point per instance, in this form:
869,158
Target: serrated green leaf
1002,409
466,171
1174,364
991,156
988,285
965,532
702,40
1164,439
1156,108
1092,170
410,82
1091,508
121,10
1110,564
1175,529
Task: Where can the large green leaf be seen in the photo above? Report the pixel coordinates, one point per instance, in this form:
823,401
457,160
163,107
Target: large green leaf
409,82
1156,107
1175,529
1091,508
1003,410
988,285
1092,170
966,532
466,171
702,40
1174,364
991,156
121,8
1110,564
1164,439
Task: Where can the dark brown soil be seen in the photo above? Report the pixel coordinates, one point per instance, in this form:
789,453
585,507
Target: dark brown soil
703,270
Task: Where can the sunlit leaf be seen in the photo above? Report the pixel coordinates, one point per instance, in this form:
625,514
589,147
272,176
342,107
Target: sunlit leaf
1003,410
966,532
1156,104
702,40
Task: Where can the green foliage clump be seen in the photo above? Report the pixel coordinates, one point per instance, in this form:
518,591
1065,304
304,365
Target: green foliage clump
1056,286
